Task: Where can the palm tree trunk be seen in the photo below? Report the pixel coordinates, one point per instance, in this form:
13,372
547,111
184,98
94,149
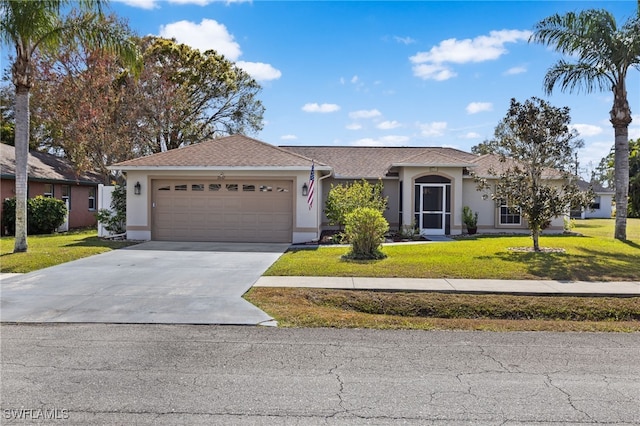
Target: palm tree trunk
621,118
21,153
621,179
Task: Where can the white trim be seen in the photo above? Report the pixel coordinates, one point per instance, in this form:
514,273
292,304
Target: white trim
151,169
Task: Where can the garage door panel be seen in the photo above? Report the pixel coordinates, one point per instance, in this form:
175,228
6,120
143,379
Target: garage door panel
251,211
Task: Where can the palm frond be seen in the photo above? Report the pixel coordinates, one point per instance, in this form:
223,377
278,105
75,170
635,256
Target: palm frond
577,76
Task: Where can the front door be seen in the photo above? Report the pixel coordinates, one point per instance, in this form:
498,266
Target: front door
432,214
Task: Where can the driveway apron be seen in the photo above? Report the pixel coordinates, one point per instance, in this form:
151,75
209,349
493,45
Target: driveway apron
153,282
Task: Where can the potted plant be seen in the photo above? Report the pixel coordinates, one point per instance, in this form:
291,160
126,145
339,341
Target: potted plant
470,219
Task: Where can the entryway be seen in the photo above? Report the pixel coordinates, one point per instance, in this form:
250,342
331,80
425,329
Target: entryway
433,205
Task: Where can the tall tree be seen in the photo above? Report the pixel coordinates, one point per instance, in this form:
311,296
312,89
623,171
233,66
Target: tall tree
185,96
35,25
604,53
77,105
536,147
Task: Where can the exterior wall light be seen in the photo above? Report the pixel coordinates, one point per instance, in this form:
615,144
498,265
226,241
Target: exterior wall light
137,188
305,189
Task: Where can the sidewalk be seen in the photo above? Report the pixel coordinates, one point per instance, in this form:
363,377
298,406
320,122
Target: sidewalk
448,285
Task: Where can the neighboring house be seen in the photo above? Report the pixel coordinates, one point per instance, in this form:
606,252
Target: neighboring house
240,189
52,176
602,205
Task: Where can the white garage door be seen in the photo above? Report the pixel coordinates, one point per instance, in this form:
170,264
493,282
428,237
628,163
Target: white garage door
222,210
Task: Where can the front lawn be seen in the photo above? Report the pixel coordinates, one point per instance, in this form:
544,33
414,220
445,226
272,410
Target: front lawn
593,256
50,250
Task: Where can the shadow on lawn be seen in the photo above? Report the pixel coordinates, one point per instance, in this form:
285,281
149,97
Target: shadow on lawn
590,265
99,242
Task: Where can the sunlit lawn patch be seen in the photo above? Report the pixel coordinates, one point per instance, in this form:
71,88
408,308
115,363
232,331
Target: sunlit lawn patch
50,250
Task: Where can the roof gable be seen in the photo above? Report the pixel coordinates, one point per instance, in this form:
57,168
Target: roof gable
43,166
229,151
493,162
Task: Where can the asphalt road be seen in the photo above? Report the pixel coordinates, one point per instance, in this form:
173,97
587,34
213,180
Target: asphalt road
184,374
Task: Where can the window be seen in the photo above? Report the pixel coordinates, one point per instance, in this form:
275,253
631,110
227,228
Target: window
595,205
92,198
232,187
509,215
48,190
197,187
265,188
248,188
165,188
66,195
180,187
281,189
214,187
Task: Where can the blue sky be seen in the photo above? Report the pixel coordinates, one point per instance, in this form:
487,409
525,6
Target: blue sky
388,73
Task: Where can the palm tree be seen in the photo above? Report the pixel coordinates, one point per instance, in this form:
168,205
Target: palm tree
604,55
38,24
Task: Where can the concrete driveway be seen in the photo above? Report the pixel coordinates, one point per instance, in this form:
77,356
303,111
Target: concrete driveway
153,282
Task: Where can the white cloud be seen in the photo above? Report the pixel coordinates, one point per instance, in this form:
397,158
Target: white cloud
353,126
586,130
141,4
515,70
363,113
354,79
208,34
404,40
391,140
387,125
260,71
433,72
342,80
324,108
288,137
470,135
476,107
436,128
431,64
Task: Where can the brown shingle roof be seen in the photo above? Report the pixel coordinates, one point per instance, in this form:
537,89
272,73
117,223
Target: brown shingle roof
486,162
230,151
43,166
374,162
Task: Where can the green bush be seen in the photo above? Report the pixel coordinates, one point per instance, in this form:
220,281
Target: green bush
44,215
115,219
364,229
344,199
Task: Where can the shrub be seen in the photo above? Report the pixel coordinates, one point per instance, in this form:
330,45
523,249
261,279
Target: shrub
344,199
365,228
115,219
44,215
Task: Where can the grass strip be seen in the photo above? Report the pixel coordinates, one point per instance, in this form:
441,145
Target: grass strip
293,307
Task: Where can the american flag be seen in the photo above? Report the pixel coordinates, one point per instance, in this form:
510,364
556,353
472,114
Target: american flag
312,179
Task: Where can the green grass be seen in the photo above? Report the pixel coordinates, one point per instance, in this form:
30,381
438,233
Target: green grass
592,256
50,250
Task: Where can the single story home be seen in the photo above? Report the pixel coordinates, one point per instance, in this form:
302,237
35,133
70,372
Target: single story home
602,205
239,189
52,176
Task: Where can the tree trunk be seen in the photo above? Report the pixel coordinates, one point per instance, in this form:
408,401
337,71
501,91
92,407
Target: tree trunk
535,235
621,118
21,153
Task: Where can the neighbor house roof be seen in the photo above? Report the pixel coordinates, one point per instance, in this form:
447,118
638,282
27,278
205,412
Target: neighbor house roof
487,163
44,167
231,151
351,162
595,186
